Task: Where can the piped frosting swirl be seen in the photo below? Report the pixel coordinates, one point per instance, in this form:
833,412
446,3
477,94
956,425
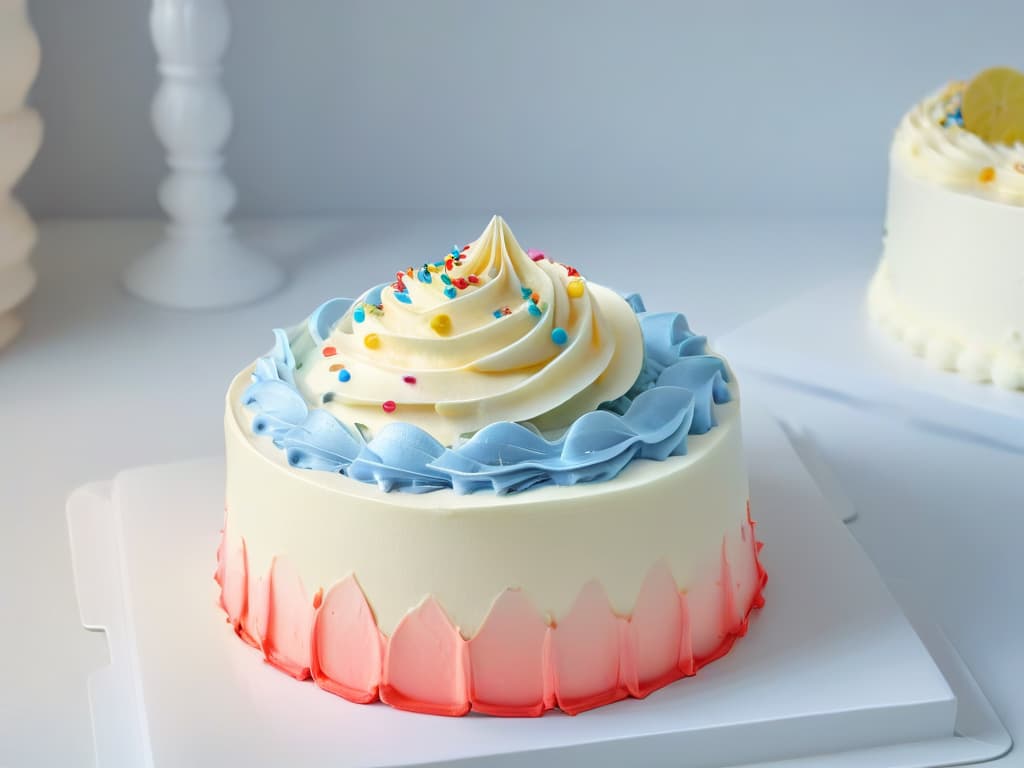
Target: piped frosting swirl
932,143
484,335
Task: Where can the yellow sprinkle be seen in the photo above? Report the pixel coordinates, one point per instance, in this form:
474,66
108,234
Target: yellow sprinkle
987,174
371,340
432,268
575,289
442,324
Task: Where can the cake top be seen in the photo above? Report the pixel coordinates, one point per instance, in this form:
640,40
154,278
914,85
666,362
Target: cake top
485,333
491,367
969,136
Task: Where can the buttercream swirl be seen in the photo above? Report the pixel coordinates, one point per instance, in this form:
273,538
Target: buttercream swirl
673,396
933,145
486,334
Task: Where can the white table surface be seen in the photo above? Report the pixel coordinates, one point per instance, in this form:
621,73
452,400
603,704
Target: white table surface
100,381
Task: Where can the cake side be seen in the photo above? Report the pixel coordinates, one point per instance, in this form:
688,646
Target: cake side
589,593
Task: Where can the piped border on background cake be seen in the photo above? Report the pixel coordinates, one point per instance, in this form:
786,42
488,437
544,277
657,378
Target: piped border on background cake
1002,364
517,664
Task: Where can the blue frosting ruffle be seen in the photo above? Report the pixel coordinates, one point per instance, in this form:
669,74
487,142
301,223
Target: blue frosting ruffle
673,397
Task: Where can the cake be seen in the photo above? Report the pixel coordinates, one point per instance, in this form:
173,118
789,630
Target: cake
951,279
488,485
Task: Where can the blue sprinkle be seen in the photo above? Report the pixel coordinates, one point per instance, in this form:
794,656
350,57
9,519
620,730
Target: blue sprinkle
424,275
450,292
956,118
559,336
527,292
455,251
497,313
344,375
438,263
403,297
445,279
535,310
359,314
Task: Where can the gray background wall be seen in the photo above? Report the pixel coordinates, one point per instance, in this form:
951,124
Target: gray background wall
777,106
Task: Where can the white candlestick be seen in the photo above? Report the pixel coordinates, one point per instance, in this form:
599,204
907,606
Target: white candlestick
200,263
21,132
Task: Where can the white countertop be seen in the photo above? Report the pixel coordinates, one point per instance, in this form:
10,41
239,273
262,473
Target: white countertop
99,381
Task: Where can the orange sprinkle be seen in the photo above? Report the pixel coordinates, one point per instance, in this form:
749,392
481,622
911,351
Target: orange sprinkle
534,297
318,597
987,174
336,367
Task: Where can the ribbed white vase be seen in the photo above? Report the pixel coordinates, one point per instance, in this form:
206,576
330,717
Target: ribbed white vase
21,132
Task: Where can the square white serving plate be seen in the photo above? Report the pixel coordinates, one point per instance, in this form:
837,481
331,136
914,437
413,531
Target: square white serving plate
831,672
824,343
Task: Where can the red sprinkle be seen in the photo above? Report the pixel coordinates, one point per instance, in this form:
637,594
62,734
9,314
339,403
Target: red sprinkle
465,248
329,351
571,270
473,279
388,406
318,597
400,282
449,263
408,380
461,283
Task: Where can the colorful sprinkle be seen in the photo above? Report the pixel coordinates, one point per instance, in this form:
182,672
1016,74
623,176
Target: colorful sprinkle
527,292
445,279
535,310
1019,166
318,598
424,275
433,268
344,375
449,263
575,289
372,341
388,406
571,270
461,283
403,297
336,367
534,297
409,379
535,255
359,314
450,292
465,248
442,324
473,279
559,336
987,174
329,351
497,313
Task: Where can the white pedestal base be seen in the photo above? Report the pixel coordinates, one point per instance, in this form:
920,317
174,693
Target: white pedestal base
202,271
831,673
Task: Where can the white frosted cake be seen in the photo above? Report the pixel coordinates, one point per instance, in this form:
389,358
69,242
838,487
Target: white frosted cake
951,280
489,485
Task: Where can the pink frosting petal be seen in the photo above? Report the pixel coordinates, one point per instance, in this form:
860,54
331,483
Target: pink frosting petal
426,664
655,633
286,643
586,653
507,657
348,647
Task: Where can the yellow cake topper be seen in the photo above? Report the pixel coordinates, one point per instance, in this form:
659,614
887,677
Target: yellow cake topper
993,105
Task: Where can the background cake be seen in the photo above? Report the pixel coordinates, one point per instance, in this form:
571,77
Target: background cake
488,485
951,280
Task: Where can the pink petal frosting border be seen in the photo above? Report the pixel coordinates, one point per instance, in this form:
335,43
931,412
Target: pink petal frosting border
517,664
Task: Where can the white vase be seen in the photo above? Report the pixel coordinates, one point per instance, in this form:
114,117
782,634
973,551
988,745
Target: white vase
200,263
21,133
